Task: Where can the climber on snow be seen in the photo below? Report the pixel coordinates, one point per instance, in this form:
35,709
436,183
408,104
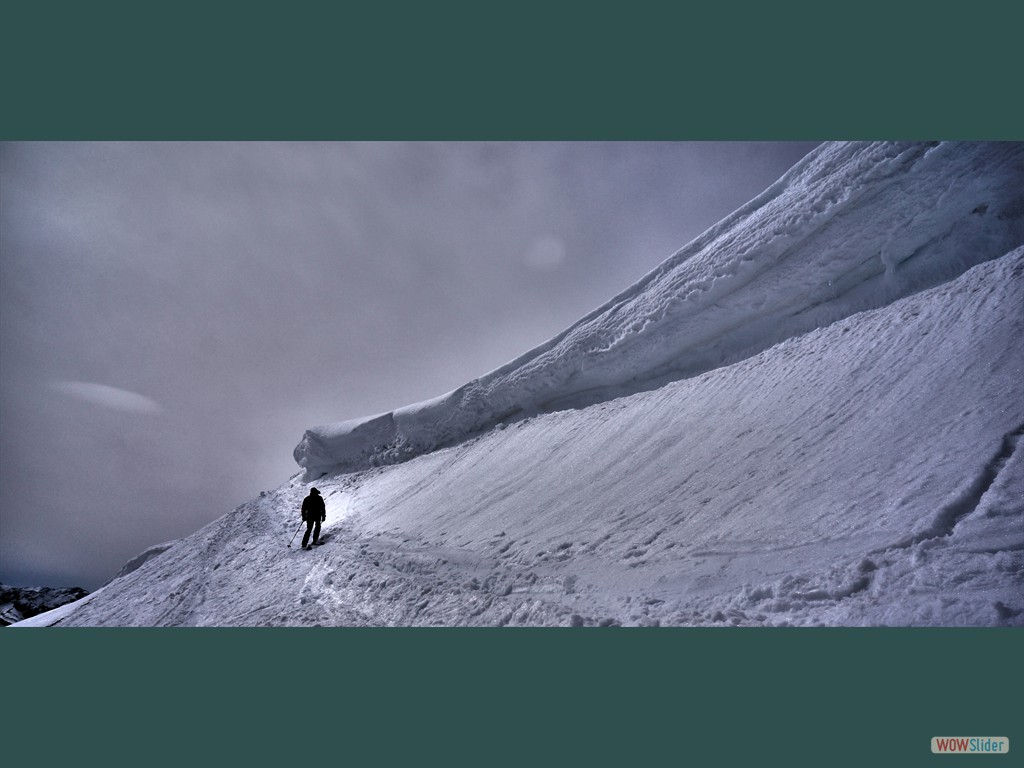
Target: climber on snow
313,512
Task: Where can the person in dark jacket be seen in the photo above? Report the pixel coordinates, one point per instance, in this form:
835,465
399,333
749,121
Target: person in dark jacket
313,512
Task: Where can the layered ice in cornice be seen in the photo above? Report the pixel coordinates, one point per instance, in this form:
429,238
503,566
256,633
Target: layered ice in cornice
851,227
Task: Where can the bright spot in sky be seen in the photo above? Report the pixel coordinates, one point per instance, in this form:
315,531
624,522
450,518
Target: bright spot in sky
546,254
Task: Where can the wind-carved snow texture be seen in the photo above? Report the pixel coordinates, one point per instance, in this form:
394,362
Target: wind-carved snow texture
142,557
967,501
851,227
865,473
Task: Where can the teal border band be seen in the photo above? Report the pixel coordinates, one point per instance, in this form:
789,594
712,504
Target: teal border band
447,70
509,696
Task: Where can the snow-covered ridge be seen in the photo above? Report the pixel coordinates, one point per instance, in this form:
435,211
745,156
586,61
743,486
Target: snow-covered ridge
851,227
143,557
867,473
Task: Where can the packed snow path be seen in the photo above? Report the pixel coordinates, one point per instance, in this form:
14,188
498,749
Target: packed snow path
869,472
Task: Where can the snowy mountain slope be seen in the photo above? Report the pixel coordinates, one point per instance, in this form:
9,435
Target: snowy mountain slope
867,472
850,227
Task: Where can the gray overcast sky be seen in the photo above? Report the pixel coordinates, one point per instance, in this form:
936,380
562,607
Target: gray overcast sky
173,316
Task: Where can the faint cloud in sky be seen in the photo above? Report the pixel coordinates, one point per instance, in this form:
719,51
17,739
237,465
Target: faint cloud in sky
107,397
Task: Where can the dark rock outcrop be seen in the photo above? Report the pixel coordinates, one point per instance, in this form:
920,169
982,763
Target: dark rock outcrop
17,603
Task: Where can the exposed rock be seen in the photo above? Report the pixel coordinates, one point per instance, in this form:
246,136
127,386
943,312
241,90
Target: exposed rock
17,603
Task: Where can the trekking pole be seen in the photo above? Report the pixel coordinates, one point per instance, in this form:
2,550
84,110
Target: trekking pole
295,534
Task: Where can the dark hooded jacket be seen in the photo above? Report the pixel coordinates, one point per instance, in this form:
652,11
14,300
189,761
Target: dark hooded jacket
313,506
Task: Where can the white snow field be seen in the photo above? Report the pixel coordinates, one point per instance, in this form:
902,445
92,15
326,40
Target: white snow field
789,451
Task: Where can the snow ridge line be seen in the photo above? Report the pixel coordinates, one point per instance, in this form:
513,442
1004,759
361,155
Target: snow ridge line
950,515
830,239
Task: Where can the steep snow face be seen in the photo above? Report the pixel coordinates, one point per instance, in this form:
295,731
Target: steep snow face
851,227
868,472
